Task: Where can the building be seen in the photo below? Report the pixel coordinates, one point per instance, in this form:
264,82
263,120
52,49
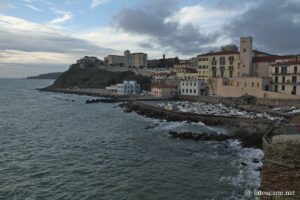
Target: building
241,86
163,63
286,77
85,61
126,88
193,87
164,75
186,73
262,65
128,59
164,90
222,64
246,56
138,60
116,60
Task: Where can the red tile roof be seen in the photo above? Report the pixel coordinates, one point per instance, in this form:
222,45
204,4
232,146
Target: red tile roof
260,52
165,86
271,58
220,53
294,62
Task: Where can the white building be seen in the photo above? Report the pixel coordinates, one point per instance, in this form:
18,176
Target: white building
192,87
125,88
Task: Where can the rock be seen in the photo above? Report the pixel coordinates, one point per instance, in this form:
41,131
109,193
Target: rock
173,134
258,169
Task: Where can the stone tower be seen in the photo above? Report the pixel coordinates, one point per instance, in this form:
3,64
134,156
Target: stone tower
246,56
127,58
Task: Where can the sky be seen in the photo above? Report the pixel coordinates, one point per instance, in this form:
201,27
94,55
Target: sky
40,36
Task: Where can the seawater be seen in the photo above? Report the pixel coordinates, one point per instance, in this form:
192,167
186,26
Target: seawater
54,146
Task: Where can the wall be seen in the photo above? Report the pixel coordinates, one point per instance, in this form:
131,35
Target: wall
249,86
281,166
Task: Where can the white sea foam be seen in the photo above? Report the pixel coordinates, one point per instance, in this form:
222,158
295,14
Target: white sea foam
248,176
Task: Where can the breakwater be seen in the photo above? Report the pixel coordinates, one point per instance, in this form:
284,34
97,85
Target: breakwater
249,131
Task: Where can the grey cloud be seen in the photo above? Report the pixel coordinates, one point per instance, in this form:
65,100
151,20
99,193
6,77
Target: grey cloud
273,24
36,41
149,19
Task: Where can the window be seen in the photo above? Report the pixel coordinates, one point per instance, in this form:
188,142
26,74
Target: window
294,79
276,88
276,79
214,72
258,85
194,84
276,70
222,61
191,91
222,73
245,84
182,90
244,50
252,84
230,74
283,79
294,90
283,70
186,91
282,87
195,91
295,70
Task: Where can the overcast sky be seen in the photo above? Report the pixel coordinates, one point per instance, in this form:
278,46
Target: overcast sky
38,36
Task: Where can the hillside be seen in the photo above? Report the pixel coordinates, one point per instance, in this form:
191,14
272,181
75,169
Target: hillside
53,75
90,76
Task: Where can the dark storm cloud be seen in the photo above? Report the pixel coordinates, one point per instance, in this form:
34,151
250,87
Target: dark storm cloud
274,24
150,19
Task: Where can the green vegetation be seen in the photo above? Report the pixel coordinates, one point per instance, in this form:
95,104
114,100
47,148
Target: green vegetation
92,77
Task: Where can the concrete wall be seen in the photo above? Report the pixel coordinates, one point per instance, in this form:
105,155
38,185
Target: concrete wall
247,86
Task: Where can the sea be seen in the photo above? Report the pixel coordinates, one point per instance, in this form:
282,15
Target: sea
54,146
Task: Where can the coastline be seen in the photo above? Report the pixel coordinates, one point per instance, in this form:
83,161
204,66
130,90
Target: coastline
249,132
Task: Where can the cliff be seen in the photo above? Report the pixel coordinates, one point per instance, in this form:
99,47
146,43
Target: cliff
91,76
53,75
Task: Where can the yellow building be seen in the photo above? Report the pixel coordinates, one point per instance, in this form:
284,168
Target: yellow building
222,64
187,73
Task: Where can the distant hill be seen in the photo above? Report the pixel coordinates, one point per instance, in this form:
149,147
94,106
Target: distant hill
54,75
89,75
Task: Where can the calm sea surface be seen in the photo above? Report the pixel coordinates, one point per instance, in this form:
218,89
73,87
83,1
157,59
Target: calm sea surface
53,148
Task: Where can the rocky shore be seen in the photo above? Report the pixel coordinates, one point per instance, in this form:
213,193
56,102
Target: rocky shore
249,131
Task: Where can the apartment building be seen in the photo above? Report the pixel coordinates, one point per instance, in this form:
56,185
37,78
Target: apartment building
222,64
286,77
192,87
187,73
